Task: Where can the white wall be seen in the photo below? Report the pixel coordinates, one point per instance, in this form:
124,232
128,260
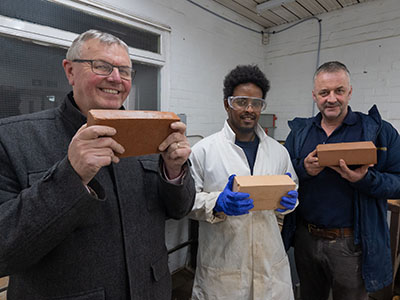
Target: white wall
203,49
365,37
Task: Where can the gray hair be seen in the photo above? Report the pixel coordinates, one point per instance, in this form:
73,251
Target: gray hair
332,67
74,52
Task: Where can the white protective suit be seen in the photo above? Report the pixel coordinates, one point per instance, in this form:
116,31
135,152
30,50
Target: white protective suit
239,257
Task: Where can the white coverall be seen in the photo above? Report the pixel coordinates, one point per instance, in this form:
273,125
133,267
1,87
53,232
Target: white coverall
239,257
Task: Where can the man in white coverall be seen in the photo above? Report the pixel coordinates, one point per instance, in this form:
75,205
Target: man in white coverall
241,255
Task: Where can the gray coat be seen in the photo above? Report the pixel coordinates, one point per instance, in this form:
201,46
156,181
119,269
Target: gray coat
59,242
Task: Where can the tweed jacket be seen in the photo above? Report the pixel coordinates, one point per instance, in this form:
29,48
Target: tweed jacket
57,241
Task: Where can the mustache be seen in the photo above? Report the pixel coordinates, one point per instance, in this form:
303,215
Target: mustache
248,115
332,105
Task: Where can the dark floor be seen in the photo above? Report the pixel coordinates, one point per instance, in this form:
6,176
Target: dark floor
182,282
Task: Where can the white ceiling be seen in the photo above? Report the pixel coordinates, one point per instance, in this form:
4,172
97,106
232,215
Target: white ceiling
285,13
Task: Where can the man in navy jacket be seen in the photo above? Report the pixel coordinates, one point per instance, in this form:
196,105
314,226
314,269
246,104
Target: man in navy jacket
339,230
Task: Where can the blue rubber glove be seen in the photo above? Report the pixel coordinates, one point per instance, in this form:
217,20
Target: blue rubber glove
288,202
233,203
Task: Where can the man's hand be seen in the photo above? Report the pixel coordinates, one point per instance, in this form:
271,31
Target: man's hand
175,150
92,148
311,164
351,175
233,203
289,201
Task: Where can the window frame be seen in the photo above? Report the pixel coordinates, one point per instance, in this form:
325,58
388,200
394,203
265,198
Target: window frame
48,36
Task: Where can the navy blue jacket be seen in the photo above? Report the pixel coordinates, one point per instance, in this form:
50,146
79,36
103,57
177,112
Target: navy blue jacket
382,182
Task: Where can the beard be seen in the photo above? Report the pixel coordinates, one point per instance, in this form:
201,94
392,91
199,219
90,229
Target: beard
244,129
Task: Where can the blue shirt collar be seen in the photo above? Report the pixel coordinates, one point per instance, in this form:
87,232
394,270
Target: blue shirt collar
350,119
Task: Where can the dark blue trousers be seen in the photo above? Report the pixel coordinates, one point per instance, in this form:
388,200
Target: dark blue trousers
324,264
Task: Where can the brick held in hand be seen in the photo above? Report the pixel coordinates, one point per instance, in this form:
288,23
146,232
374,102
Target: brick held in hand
353,153
139,132
265,190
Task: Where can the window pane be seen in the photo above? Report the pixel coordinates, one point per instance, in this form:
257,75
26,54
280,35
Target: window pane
73,20
33,79
145,88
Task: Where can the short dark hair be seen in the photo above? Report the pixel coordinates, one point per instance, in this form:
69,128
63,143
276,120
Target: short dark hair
331,67
245,74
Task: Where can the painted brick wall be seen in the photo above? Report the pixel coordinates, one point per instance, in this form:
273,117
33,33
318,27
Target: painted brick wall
365,37
203,49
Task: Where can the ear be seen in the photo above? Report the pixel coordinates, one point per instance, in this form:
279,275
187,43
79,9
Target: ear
314,96
69,71
226,105
351,91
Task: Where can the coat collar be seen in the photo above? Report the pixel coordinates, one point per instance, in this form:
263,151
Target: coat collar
350,119
70,111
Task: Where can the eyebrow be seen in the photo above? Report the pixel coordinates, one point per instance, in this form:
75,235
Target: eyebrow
111,63
326,89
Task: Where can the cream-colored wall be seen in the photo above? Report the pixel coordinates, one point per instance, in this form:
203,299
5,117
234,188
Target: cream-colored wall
203,49
366,37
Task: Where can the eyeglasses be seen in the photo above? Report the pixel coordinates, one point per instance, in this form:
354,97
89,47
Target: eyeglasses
242,102
103,68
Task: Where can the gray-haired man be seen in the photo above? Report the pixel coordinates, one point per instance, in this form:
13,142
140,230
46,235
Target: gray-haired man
341,237
77,222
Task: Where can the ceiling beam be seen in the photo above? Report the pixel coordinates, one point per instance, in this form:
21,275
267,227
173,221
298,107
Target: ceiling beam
271,4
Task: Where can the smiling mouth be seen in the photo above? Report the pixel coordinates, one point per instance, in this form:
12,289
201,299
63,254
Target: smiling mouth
248,118
110,91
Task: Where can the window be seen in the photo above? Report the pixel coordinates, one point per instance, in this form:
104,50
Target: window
72,19
32,77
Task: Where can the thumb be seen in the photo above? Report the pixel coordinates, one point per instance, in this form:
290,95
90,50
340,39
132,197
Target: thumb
82,127
230,181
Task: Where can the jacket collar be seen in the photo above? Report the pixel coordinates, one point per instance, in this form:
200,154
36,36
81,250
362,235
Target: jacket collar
70,111
350,119
372,123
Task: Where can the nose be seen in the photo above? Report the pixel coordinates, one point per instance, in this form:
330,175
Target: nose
114,76
331,97
250,107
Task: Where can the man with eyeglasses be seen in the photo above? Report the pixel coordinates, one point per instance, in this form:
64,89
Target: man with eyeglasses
241,254
76,221
339,230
